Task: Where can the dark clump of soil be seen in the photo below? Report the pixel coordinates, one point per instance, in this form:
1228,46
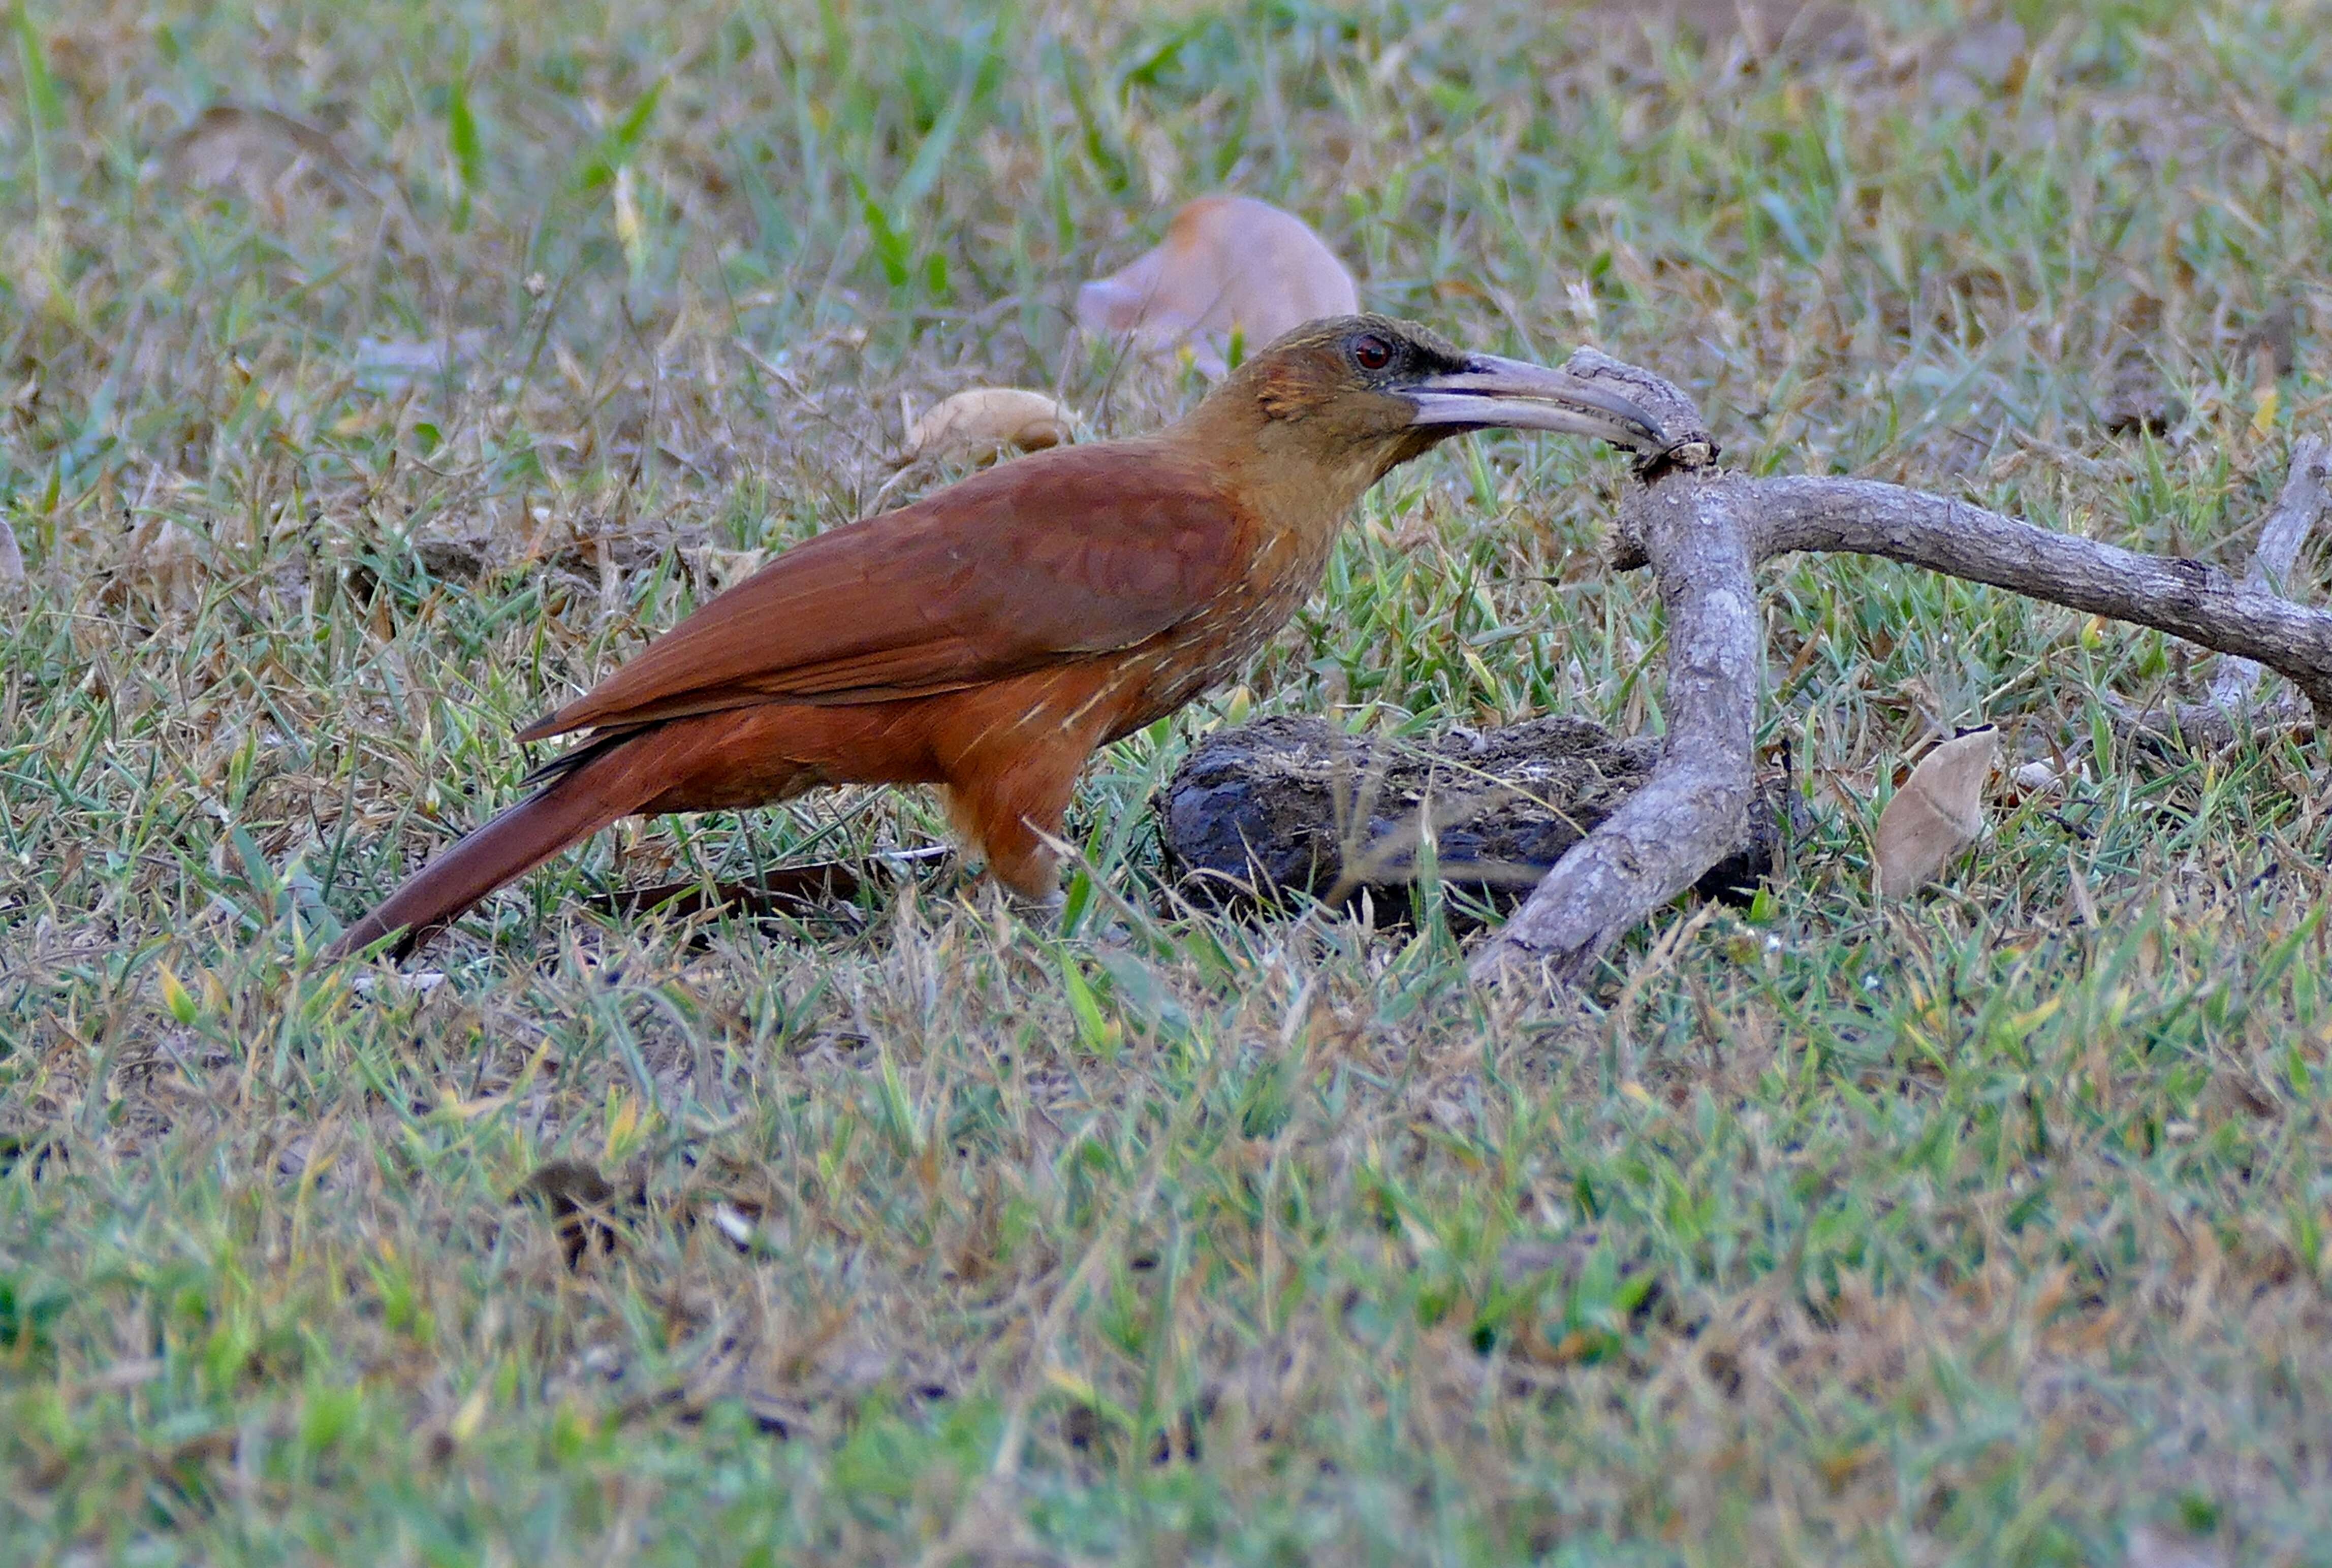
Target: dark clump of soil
1295,805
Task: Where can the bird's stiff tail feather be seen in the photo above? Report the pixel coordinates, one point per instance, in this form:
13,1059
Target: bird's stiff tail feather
578,801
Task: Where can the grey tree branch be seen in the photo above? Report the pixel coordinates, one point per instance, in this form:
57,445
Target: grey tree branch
2229,711
2301,506
1694,808
1691,811
1702,529
2187,598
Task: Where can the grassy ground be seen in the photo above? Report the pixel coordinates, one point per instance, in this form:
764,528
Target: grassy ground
1992,1229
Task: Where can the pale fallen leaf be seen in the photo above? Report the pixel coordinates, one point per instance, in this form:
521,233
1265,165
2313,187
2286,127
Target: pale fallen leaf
984,423
1228,265
266,156
1936,813
12,559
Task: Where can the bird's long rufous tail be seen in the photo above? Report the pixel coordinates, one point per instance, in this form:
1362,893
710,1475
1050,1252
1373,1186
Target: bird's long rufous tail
601,784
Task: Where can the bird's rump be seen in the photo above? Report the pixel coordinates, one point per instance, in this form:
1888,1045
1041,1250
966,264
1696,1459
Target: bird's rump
971,584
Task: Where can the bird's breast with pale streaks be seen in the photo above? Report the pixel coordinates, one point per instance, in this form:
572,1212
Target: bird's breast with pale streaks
1214,644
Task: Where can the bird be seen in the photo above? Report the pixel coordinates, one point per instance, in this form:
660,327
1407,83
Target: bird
990,636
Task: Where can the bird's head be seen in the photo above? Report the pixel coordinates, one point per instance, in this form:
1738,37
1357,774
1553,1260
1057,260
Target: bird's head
1365,393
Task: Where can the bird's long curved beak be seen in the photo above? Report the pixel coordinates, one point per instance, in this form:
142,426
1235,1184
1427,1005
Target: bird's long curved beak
1516,394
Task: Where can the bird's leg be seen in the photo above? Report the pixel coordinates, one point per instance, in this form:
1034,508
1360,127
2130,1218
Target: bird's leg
1013,811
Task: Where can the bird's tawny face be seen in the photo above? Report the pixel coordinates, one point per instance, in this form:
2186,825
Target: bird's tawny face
1375,380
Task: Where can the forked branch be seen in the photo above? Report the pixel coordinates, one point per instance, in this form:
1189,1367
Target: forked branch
1702,529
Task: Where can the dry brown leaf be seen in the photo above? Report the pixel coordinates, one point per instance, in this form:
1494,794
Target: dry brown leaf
986,422
1229,265
265,156
12,559
1936,813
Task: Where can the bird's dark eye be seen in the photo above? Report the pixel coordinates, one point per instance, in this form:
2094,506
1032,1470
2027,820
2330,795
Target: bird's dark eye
1372,352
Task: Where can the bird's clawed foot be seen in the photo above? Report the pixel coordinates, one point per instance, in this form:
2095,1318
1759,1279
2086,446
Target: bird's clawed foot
1045,911
1035,899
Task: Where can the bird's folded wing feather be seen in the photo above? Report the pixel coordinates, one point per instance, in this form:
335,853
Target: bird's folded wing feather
1079,550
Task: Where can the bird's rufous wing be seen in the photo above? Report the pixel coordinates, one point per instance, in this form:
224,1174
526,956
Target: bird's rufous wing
1077,551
